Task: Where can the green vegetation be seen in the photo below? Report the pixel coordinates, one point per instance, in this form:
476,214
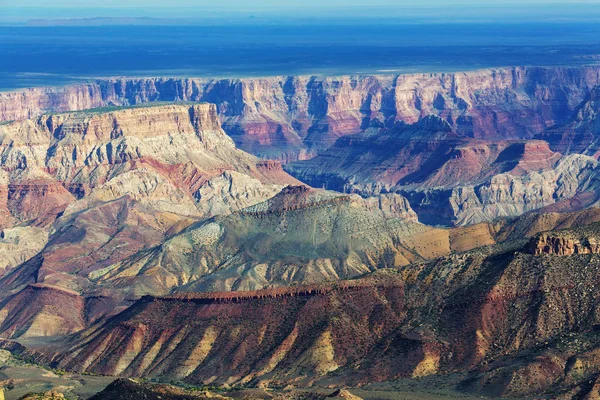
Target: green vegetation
106,109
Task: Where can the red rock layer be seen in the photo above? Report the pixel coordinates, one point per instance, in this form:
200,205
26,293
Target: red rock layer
456,314
42,310
291,117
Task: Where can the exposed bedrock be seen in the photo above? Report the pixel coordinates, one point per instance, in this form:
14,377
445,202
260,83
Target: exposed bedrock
293,117
450,179
499,315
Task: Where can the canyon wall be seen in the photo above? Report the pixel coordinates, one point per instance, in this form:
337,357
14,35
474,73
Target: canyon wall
495,316
583,239
291,118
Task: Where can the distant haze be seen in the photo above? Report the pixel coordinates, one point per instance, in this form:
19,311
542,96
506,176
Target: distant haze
53,42
273,3
23,10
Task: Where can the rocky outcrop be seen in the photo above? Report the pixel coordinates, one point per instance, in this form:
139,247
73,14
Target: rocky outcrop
451,179
562,246
500,315
291,118
232,191
579,240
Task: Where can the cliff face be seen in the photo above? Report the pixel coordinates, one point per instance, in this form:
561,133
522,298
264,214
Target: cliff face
578,240
547,244
580,134
426,154
501,315
451,179
571,185
292,117
155,155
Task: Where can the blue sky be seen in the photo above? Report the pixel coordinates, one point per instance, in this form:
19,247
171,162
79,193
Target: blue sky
268,3
20,11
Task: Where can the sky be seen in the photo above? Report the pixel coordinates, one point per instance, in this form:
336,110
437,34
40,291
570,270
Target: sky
269,3
22,11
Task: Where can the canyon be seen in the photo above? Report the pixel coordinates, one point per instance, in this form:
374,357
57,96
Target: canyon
450,179
296,236
508,316
291,118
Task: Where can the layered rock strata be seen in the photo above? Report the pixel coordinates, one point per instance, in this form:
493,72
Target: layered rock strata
451,179
291,118
500,314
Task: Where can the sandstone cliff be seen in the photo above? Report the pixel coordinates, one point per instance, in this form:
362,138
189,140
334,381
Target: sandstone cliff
292,117
578,240
152,154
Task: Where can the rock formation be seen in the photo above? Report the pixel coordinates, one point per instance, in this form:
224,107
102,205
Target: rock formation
300,235
84,191
139,241
150,154
508,318
581,133
426,154
579,240
451,179
291,118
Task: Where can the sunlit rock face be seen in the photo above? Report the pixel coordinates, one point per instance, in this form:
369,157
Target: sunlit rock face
82,191
291,118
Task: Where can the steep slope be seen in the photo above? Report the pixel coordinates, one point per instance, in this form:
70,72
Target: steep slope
581,133
506,316
425,154
42,310
87,190
450,179
300,235
293,117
